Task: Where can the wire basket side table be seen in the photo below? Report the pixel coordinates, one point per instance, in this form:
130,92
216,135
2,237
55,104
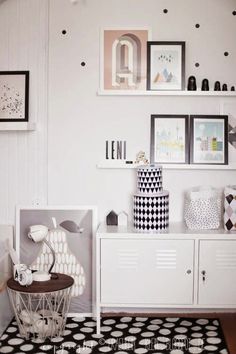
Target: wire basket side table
41,309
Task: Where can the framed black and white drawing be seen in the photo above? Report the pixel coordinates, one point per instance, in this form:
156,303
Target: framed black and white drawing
165,65
209,139
14,96
71,235
169,139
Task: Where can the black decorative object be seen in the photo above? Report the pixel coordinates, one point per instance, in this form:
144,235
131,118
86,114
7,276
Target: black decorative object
232,88
226,54
82,63
197,65
165,11
192,85
205,85
224,87
112,218
197,25
217,86
63,32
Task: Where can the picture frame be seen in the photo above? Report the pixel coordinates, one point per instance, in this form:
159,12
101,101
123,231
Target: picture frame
14,96
123,58
165,65
75,230
169,139
209,139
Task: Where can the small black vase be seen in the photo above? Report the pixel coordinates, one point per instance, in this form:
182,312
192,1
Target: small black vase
217,86
224,87
205,85
192,85
232,88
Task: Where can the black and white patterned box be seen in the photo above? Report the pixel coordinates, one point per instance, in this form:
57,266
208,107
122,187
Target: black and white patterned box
151,213
149,179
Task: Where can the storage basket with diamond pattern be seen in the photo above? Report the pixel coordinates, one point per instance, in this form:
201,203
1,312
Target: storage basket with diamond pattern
230,208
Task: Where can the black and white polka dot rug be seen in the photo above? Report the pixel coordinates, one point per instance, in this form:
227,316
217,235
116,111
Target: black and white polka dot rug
125,335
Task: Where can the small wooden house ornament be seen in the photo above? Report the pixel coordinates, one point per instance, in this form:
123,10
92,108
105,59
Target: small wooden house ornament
122,218
112,218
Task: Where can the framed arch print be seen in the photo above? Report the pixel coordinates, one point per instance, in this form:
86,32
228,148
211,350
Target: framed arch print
165,66
124,58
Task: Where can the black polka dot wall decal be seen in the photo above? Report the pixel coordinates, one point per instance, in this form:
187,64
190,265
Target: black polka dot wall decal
82,63
63,32
197,65
197,25
165,11
234,13
226,54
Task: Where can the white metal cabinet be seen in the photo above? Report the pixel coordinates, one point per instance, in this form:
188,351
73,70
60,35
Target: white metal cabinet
217,272
139,271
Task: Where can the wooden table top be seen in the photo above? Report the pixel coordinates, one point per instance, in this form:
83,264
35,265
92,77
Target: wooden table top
62,282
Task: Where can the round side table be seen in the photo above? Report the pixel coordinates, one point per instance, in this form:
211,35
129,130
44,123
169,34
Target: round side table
41,308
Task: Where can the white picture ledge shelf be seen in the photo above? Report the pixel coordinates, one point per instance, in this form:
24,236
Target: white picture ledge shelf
118,165
11,126
166,93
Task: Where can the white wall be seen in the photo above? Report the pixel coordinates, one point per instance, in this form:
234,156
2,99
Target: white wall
80,121
23,155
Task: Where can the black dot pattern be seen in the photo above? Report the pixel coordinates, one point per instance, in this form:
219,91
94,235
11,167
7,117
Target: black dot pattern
226,54
165,11
197,25
197,65
63,32
82,63
234,13
125,335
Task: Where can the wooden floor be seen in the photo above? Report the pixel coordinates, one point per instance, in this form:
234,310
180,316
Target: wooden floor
227,320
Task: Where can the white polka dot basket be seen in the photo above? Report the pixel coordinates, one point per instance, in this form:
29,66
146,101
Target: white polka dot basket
203,208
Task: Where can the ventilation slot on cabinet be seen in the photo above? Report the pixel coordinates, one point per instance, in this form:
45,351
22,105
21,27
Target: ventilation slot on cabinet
166,259
127,259
226,260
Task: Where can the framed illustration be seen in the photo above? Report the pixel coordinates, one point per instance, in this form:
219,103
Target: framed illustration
123,58
169,139
165,65
209,139
71,235
14,96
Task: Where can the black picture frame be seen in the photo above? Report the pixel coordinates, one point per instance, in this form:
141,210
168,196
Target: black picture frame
14,96
163,77
208,145
168,120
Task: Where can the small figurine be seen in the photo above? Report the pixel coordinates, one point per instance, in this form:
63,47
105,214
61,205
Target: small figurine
122,218
217,86
112,218
224,87
192,85
232,88
141,158
205,85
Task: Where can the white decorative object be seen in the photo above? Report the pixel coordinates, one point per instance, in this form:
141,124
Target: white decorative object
151,203
122,218
230,208
203,208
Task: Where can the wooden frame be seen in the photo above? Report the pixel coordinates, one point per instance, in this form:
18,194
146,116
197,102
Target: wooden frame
174,149
165,66
209,139
83,215
14,96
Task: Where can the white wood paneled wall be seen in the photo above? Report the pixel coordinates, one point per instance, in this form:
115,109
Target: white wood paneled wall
23,154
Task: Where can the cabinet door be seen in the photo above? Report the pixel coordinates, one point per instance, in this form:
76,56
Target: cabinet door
218,261
147,271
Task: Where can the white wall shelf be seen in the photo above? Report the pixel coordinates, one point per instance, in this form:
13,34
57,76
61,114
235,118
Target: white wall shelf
7,126
119,165
166,93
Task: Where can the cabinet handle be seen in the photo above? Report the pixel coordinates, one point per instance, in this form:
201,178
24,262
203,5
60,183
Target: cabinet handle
203,272
189,271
